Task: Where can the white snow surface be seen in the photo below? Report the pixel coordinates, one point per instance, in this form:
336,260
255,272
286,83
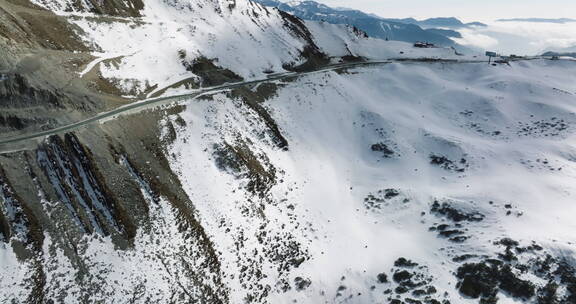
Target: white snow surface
470,111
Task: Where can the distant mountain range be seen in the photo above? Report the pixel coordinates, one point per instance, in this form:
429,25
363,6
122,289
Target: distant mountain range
541,20
408,30
449,22
560,54
568,52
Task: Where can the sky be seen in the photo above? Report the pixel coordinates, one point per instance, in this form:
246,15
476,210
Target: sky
467,10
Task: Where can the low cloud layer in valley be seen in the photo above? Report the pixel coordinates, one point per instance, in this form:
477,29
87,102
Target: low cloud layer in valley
522,38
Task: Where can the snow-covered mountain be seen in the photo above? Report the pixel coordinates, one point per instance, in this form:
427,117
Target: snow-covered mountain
191,42
407,30
410,175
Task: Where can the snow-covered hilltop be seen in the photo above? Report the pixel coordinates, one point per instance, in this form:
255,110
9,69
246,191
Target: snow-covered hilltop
427,177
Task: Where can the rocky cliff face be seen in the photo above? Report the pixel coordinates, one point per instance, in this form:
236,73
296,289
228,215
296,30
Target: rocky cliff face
130,8
411,182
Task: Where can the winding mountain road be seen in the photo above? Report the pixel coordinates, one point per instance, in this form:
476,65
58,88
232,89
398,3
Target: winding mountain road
204,91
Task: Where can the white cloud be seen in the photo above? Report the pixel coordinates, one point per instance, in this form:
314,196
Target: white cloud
522,38
475,39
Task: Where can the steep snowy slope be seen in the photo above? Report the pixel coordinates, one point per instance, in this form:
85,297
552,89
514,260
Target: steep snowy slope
440,164
185,33
243,39
415,181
